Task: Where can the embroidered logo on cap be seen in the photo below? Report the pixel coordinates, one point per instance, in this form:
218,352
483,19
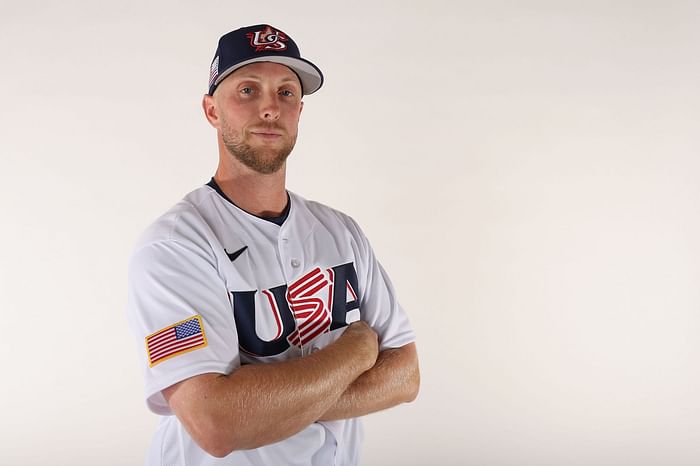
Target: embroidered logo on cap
267,39
214,71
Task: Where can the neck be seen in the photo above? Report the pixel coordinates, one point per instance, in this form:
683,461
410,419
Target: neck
261,195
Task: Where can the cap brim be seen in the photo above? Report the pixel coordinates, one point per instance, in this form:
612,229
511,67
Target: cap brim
310,76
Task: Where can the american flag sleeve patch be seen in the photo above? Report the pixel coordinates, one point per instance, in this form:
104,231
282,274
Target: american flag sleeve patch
179,338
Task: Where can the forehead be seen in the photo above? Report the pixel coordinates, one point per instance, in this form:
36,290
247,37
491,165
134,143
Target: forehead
262,71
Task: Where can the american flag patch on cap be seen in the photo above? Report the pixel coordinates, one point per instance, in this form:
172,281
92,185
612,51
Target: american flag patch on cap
181,337
213,71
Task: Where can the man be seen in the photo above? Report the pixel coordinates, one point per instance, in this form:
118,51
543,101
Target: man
265,323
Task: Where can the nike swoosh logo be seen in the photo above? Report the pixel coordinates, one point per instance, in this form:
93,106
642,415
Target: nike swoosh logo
234,255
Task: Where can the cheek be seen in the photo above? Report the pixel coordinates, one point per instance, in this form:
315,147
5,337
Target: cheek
292,117
231,122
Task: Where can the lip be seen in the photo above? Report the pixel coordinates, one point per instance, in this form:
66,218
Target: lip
266,133
267,137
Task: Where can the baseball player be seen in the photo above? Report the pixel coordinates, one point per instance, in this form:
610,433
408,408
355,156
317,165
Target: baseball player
264,322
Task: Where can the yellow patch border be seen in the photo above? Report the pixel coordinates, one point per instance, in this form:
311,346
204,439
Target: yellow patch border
178,353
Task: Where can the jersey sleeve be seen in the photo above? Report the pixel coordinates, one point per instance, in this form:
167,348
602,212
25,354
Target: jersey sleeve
181,316
379,306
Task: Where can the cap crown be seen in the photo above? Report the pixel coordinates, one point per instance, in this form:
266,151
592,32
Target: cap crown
261,42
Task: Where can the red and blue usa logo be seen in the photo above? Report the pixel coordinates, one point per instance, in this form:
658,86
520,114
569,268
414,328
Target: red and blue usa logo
267,40
295,315
311,299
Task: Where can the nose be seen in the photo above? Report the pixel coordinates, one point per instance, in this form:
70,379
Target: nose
269,107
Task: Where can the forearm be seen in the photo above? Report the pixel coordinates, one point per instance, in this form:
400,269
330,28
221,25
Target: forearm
394,379
261,404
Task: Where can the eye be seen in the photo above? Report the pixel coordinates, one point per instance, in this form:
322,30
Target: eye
246,90
287,93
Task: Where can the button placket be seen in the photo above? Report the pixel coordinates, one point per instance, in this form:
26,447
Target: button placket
288,262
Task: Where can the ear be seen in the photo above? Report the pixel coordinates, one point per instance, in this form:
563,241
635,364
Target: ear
301,107
211,113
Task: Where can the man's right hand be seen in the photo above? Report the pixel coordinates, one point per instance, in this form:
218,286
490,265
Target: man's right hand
364,341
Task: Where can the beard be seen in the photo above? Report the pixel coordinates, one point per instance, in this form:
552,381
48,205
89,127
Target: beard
263,160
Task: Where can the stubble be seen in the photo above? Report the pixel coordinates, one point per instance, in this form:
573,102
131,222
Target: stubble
260,159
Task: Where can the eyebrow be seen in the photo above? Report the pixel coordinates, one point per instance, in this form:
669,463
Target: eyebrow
257,77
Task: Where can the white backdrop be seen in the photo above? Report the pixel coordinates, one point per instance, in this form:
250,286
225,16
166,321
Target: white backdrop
527,173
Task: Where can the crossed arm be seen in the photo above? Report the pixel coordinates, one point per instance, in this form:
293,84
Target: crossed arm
261,404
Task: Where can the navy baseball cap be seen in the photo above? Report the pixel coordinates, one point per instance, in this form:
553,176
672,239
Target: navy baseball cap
260,43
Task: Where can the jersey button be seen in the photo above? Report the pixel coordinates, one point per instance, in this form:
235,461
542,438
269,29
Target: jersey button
295,263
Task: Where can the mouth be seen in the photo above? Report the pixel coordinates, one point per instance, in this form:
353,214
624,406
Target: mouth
264,133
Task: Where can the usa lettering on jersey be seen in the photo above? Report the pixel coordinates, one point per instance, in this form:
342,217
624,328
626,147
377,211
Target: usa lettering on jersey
313,304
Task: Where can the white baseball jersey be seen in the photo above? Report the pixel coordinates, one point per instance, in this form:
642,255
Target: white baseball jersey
212,287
